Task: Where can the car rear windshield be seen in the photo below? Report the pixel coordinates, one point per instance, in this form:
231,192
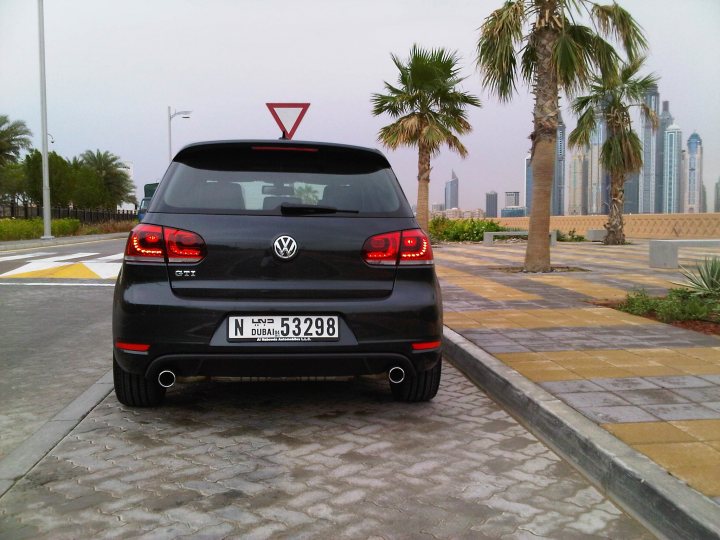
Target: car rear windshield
267,179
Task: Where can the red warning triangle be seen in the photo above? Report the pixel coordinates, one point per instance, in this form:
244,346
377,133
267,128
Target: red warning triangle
288,116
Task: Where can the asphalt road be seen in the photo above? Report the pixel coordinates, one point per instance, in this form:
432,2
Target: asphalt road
256,460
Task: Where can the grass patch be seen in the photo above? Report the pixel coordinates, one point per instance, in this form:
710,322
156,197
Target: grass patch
29,229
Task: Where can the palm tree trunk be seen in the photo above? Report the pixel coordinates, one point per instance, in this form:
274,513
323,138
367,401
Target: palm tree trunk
615,226
537,255
423,186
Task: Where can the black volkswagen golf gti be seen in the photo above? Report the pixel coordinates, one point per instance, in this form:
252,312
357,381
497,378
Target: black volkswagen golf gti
277,258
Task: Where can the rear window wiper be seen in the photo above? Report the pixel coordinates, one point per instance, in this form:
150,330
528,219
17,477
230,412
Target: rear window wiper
296,209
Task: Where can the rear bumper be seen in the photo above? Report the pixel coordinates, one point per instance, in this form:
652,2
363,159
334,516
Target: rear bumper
189,335
281,365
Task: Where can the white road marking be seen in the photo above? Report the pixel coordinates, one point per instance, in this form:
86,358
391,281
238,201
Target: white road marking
105,270
116,257
57,284
25,256
47,263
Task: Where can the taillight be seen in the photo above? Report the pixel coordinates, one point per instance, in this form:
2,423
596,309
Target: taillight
382,248
410,247
415,248
184,246
145,244
152,243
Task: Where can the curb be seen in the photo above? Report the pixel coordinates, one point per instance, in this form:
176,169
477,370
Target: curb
661,502
58,241
24,457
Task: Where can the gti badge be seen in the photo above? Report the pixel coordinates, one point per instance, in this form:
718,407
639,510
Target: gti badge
285,247
184,273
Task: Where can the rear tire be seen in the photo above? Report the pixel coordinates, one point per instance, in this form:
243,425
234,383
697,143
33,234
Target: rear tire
135,390
423,387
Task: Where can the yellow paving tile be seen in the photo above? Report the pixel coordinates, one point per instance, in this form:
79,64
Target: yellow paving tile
593,290
711,369
601,372
681,454
642,279
481,286
460,259
648,432
520,357
702,430
71,271
546,375
711,354
547,318
714,444
704,479
653,371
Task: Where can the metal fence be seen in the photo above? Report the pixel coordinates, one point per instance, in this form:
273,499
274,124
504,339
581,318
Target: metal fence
85,216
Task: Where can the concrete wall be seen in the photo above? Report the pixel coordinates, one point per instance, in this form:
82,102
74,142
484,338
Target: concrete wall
636,225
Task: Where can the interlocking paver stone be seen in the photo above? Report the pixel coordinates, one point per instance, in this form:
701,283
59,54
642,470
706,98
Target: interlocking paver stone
306,460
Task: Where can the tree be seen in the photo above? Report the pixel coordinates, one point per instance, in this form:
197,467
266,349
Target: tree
117,186
89,191
611,97
429,109
555,53
61,179
14,137
13,185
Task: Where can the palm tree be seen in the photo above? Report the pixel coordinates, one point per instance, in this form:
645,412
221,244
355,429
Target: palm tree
116,182
555,53
14,137
428,109
610,99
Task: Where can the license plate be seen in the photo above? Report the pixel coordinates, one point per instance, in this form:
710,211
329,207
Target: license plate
284,328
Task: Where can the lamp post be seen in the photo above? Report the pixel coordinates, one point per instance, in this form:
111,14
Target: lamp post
171,115
47,234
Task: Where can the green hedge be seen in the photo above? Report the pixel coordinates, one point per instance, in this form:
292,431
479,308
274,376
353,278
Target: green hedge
462,230
25,229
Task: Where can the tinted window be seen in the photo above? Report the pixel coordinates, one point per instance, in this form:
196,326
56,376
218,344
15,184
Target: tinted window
245,179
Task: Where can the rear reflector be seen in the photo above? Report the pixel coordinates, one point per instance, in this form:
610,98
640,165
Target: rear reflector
136,347
152,243
426,345
411,247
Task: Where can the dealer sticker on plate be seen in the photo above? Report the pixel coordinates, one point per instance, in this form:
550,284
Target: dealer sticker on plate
284,328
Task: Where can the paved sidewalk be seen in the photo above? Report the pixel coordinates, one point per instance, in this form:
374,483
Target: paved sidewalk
654,386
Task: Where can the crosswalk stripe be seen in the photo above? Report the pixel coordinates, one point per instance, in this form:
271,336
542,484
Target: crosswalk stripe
25,256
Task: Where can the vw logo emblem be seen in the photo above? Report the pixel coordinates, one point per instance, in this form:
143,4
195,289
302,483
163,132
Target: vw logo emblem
285,247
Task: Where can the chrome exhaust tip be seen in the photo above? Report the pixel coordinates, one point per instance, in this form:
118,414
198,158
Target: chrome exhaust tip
396,375
166,378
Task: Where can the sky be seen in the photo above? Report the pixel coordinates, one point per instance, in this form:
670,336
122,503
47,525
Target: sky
114,66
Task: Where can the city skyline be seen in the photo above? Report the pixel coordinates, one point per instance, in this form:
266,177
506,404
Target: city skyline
109,86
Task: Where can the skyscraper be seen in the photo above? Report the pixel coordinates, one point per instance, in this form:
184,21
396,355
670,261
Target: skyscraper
451,192
632,193
577,196
666,121
491,204
649,139
557,204
672,169
598,181
512,198
694,174
716,206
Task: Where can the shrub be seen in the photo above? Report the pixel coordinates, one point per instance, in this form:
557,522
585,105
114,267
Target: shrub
571,236
26,229
638,303
462,230
705,281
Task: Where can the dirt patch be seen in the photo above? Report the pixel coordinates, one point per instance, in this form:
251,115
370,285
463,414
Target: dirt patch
521,270
705,327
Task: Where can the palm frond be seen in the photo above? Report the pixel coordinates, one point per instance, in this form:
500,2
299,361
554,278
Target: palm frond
500,35
616,22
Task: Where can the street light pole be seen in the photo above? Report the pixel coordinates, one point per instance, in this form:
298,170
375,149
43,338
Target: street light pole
47,231
171,115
